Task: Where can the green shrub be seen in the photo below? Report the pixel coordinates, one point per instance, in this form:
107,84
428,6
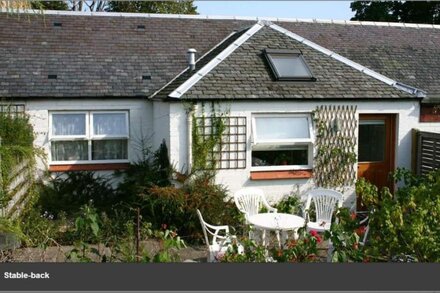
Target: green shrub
176,207
16,145
303,249
153,170
290,204
69,191
406,224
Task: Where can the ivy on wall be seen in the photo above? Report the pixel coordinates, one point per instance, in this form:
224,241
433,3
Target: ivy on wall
335,146
207,133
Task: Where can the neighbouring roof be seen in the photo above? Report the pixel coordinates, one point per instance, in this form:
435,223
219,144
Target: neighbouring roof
107,54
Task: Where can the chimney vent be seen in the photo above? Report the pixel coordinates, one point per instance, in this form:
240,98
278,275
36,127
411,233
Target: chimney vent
192,58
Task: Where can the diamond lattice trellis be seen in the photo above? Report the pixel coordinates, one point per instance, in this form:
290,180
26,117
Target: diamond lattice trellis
335,146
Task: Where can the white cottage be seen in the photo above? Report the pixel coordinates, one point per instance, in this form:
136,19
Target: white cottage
96,98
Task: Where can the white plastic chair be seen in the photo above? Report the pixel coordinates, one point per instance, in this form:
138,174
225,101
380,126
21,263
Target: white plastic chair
325,200
249,201
219,243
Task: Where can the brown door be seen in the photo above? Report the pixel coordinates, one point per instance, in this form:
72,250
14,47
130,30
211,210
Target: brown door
376,149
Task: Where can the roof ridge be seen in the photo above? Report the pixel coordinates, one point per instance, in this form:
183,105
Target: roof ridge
190,82
186,69
227,17
184,87
392,82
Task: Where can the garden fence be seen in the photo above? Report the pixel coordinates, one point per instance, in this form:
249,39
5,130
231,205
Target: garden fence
427,152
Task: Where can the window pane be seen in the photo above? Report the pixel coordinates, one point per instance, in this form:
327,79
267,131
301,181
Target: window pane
289,65
69,150
296,156
109,124
68,124
371,141
276,128
109,150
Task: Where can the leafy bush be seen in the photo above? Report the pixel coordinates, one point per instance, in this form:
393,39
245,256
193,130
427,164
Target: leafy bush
290,205
344,238
406,224
153,170
303,249
16,145
69,191
176,207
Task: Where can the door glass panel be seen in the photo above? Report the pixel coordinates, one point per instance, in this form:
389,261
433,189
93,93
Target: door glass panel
371,140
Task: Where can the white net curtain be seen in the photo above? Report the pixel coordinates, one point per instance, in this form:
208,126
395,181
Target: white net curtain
108,136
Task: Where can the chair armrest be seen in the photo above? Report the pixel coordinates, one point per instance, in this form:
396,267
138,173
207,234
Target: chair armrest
268,207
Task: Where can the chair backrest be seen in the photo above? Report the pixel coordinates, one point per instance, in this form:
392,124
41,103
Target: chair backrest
249,200
204,228
213,230
325,201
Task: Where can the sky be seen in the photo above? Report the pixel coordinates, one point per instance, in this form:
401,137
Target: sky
336,10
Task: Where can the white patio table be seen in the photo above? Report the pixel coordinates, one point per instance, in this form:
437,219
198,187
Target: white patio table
277,222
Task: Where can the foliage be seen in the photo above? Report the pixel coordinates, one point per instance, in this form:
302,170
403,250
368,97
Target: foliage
405,224
206,139
153,170
337,151
253,252
49,5
304,249
290,204
344,238
397,11
176,206
69,191
16,146
171,7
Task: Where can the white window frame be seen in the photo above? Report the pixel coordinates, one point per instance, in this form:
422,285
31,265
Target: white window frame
294,142
89,137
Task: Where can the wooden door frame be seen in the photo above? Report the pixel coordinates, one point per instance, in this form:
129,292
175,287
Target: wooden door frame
392,152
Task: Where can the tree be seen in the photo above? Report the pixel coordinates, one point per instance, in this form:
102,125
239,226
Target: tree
167,7
397,11
50,5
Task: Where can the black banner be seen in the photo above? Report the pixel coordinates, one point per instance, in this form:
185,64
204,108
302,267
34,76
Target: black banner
219,277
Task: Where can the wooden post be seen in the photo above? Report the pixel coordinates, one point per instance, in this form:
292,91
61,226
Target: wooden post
138,233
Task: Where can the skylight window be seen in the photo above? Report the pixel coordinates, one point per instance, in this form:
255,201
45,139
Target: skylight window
288,65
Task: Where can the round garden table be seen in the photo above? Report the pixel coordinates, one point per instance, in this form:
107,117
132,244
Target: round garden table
276,222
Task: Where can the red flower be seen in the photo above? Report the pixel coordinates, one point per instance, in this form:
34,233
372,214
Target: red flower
316,236
353,216
361,230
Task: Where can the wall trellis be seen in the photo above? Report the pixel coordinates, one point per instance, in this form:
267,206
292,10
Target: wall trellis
335,146
231,152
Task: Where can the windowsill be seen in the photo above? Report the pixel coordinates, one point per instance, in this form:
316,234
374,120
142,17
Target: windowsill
88,167
278,175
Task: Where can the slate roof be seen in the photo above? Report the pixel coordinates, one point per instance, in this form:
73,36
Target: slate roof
245,74
106,55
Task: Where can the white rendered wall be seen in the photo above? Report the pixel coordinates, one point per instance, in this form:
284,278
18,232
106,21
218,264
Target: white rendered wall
407,113
161,123
178,147
140,118
429,126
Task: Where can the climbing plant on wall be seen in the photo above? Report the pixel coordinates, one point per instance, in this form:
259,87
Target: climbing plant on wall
335,146
207,133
